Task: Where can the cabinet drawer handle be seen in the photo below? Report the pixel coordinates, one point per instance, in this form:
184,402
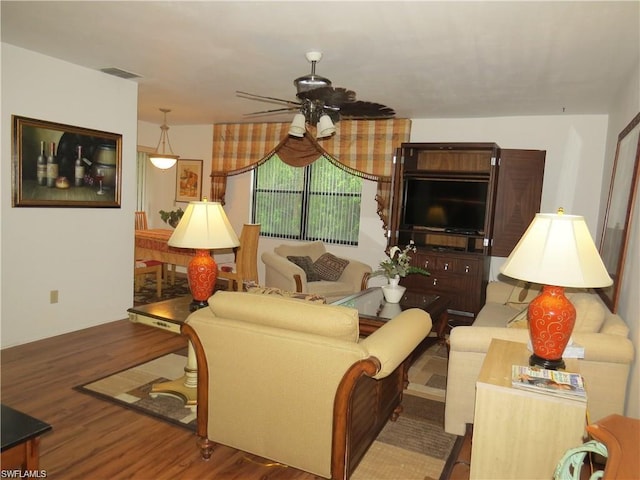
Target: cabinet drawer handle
446,266
466,269
435,281
426,264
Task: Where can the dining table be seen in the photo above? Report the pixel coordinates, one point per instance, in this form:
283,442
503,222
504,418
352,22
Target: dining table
151,244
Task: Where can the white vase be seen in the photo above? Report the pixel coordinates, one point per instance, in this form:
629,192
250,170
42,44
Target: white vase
395,281
393,293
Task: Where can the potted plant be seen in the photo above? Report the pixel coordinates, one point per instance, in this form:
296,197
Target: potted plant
173,217
395,266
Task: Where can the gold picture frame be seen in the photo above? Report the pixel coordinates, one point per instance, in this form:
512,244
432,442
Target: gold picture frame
188,180
57,165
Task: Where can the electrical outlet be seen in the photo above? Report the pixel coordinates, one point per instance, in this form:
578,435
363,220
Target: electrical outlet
53,296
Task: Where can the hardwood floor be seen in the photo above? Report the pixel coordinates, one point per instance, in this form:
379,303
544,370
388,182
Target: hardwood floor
95,439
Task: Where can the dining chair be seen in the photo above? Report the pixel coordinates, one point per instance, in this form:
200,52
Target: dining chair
144,267
245,268
141,221
141,224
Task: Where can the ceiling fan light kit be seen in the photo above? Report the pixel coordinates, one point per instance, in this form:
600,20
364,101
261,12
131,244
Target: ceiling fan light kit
298,126
164,160
320,104
325,128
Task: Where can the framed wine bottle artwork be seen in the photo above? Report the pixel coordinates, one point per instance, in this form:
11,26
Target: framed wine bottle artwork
56,165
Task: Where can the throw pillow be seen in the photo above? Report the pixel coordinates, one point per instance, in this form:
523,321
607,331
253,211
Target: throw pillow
330,267
519,320
589,312
307,265
309,297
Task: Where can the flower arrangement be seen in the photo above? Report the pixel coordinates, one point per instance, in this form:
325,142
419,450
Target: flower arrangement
171,218
398,263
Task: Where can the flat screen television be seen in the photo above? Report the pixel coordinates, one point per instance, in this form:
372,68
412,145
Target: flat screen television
452,205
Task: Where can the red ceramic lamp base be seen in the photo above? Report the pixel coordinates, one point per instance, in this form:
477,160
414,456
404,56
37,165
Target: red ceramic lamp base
551,319
202,273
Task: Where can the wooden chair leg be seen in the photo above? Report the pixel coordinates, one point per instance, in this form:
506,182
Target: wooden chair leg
159,282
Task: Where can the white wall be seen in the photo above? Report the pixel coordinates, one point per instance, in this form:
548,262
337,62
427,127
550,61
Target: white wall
84,253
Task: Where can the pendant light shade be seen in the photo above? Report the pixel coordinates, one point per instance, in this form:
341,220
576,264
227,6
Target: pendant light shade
164,160
326,128
298,126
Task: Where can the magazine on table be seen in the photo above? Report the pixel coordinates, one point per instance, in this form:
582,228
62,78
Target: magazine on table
549,382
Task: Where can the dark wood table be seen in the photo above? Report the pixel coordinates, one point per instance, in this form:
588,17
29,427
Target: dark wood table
20,438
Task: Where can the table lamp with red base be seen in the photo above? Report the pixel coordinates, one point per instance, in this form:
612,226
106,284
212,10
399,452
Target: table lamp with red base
556,251
204,226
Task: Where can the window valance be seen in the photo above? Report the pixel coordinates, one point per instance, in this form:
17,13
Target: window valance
363,147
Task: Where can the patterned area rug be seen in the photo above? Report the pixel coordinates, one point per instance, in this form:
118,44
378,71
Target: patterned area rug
147,293
415,447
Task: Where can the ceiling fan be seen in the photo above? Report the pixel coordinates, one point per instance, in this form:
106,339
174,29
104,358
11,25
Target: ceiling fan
317,97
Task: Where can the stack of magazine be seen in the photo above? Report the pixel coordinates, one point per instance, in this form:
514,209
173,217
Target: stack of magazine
549,382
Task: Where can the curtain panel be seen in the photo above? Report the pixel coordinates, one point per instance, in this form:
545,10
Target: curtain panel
362,147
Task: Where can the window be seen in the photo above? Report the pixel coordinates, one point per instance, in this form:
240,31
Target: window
316,202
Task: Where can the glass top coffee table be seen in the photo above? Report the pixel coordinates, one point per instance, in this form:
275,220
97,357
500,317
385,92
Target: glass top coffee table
374,311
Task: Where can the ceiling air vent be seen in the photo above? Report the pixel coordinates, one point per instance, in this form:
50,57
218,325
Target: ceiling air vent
116,72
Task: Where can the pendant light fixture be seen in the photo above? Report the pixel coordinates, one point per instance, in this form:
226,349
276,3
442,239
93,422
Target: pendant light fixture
164,160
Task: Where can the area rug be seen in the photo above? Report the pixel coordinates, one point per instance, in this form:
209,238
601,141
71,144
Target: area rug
415,447
147,292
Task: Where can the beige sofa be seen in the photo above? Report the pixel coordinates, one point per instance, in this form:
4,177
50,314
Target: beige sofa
286,275
291,381
608,352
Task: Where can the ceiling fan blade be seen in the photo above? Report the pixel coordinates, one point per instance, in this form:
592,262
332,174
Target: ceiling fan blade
253,96
366,110
329,95
276,110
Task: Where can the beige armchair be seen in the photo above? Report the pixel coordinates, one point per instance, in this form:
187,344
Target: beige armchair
291,381
282,273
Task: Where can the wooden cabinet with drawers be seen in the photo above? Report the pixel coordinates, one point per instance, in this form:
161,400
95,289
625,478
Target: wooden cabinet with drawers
460,276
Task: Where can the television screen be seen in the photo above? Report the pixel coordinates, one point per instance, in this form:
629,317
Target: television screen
449,204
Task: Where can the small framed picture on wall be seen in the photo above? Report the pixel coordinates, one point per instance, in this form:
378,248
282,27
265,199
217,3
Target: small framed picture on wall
188,180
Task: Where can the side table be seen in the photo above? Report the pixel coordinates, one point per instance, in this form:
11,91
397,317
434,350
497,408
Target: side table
170,315
20,440
517,433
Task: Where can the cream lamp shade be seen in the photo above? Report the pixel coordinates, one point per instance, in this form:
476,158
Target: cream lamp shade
557,249
298,126
204,225
325,127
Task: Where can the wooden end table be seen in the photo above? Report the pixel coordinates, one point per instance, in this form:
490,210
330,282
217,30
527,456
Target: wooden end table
20,440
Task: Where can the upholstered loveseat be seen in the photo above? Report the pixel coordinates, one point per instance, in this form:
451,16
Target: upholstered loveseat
331,277
608,352
290,380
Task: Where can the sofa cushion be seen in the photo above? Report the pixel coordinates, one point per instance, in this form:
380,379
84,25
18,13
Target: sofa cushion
589,312
309,297
519,320
287,313
306,264
329,267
